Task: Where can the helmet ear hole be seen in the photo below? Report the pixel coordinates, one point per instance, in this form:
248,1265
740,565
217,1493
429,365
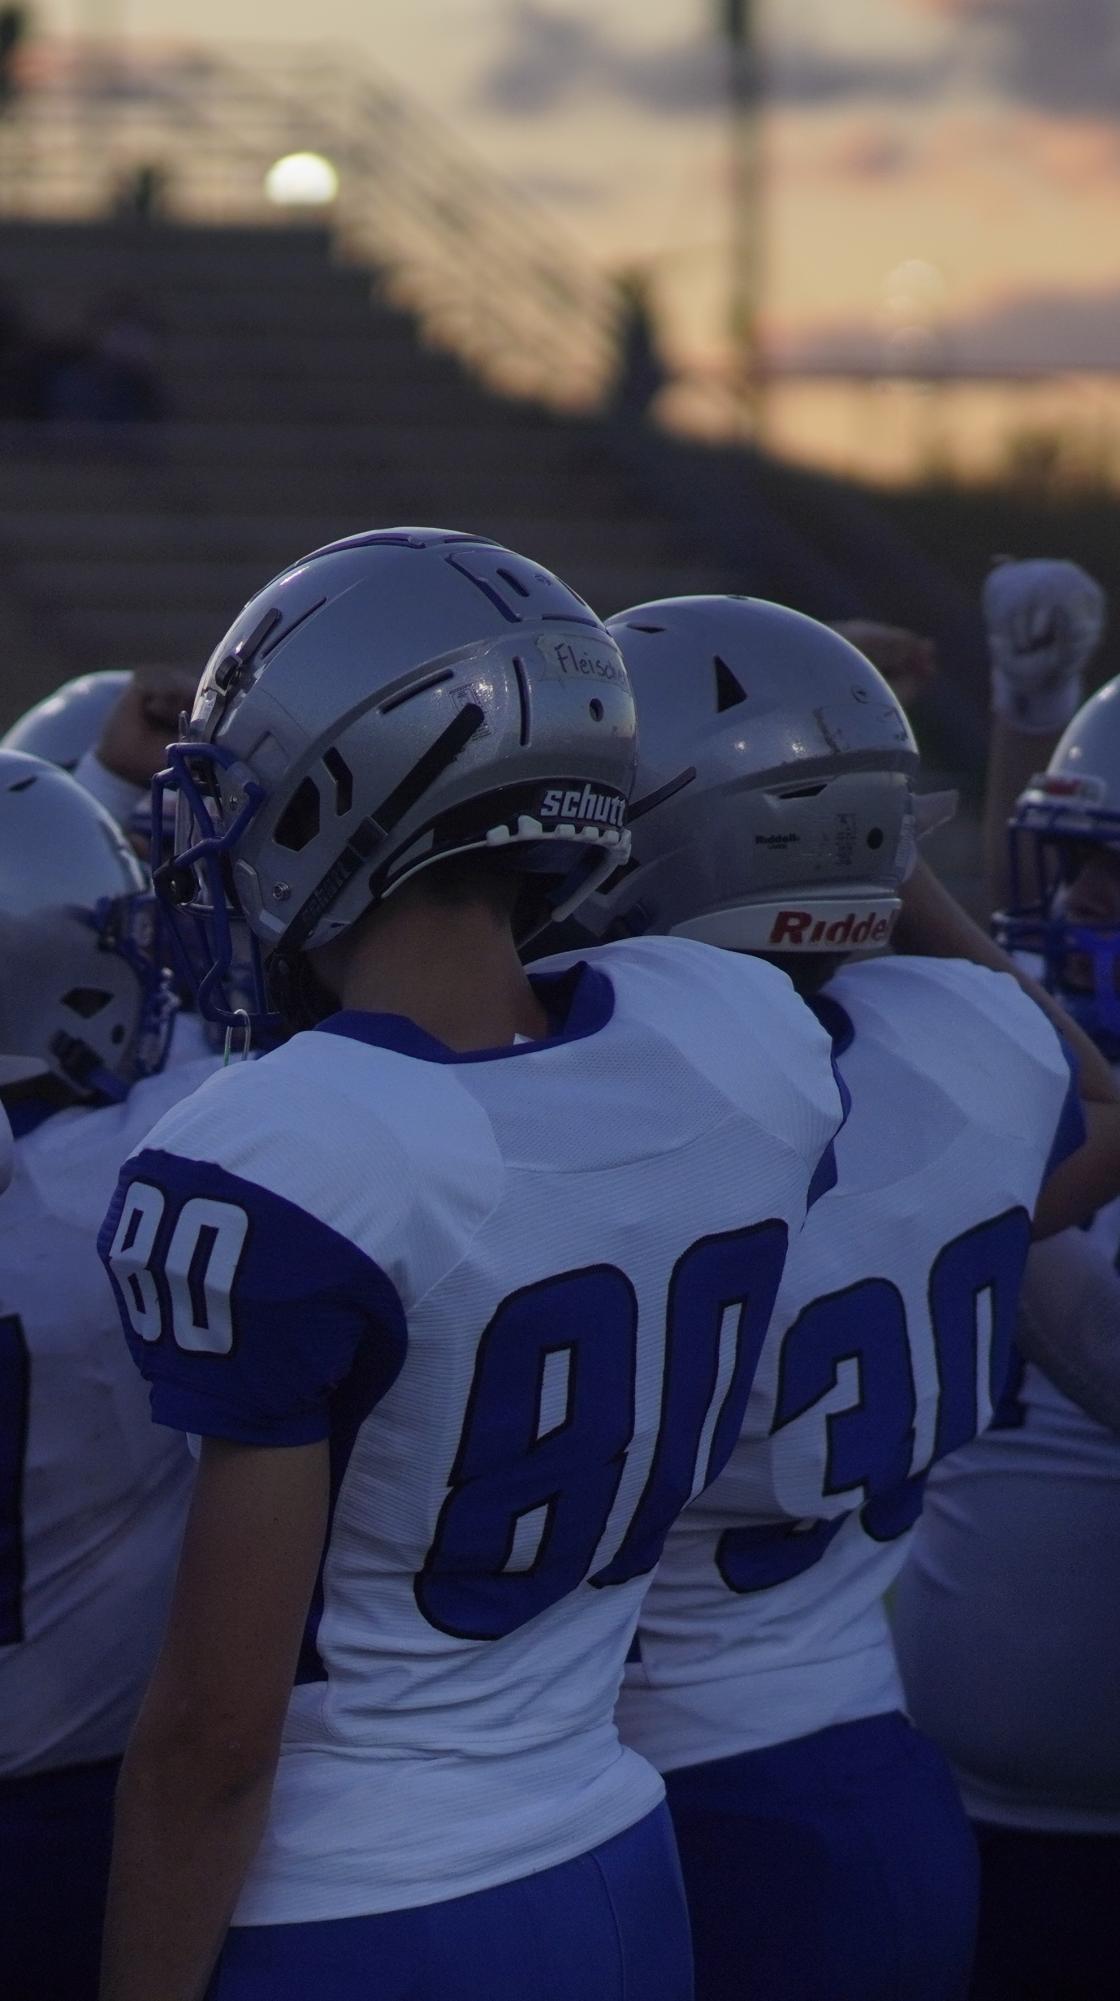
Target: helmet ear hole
343,781
299,822
86,1001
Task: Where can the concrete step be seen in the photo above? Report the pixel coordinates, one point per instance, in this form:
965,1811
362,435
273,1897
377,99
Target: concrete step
612,587
131,637
335,301
43,547
94,485
103,584
317,394
349,353
166,250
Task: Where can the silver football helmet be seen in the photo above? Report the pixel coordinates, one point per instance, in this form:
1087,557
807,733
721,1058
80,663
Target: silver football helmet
63,726
393,699
1071,806
83,996
773,809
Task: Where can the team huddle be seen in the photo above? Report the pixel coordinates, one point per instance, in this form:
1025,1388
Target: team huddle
559,1312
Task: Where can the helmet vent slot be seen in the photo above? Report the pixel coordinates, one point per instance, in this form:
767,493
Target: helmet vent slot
86,1001
523,699
514,583
343,781
729,691
299,822
633,626
802,792
404,695
274,637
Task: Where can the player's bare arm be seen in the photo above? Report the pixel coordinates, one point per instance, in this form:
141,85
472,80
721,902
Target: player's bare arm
1069,1323
198,1773
144,721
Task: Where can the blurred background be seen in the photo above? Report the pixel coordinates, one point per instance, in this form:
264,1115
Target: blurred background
815,301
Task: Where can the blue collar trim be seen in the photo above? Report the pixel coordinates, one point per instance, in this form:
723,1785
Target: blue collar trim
578,1002
24,1114
838,1025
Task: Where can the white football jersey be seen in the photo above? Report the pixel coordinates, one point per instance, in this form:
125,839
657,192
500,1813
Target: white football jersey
522,1291
92,1496
890,1341
192,1040
1007,1615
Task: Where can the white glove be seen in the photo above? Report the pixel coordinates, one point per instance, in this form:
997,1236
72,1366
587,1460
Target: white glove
1045,619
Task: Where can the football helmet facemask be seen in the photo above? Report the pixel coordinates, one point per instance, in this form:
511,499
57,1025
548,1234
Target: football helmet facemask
86,1000
1065,813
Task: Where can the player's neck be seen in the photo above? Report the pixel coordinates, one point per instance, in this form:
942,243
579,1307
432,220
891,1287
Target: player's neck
454,972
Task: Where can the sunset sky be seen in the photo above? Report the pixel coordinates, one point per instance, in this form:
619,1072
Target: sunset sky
976,139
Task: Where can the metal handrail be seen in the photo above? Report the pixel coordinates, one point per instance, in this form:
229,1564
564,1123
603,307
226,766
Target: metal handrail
489,273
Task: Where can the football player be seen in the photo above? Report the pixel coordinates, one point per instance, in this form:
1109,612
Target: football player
111,731
823,1845
92,1498
1007,1615
462,1289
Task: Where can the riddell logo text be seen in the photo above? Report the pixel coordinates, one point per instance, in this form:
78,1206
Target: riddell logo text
607,807
800,927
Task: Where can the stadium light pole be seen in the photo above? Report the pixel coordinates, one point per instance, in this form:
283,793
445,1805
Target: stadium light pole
739,23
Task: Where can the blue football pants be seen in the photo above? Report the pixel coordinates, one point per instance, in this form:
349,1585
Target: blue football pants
835,1867
56,1832
1048,1906
609,1926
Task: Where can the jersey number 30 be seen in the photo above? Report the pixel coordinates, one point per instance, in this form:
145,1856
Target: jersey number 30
869,1444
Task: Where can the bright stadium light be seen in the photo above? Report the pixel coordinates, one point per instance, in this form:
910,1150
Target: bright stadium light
301,180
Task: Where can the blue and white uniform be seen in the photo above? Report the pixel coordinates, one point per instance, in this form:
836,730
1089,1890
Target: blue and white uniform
765,1682
1007,1624
522,1292
92,1501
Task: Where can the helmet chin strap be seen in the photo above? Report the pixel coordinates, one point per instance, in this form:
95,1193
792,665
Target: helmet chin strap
816,924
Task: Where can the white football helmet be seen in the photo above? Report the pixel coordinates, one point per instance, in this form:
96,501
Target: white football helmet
393,699
773,809
84,998
63,726
1071,806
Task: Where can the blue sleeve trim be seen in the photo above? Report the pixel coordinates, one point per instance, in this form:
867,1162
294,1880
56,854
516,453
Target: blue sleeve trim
1070,1134
210,1418
245,1314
